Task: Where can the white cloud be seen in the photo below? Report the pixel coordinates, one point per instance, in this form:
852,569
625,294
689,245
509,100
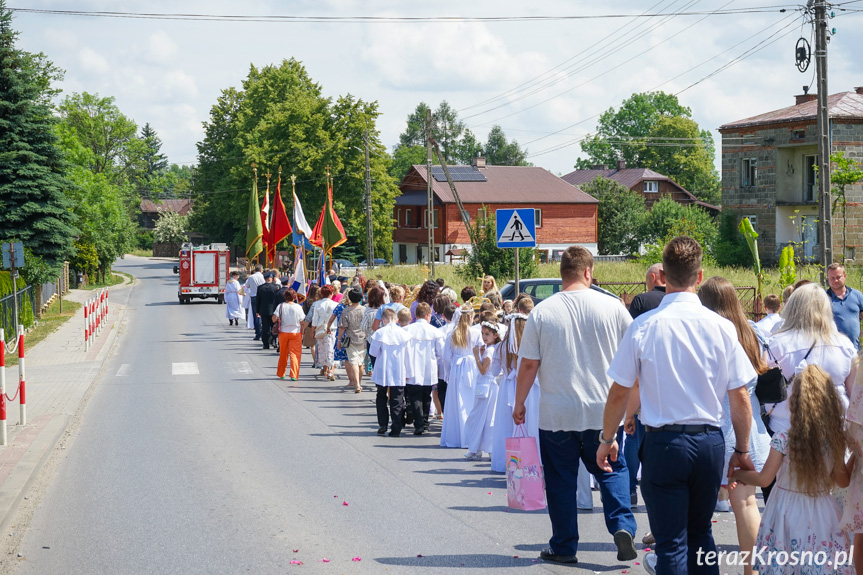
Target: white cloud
160,49
93,63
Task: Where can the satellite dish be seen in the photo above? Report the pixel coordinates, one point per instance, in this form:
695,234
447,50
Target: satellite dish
802,54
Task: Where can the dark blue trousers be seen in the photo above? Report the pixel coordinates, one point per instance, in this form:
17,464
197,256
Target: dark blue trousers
561,452
630,453
680,478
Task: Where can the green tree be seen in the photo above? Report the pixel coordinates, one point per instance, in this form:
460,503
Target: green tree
33,207
621,216
487,259
500,152
846,173
155,162
404,157
644,132
731,248
668,219
280,118
468,148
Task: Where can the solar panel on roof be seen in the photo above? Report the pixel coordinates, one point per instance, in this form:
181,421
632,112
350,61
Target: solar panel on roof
459,174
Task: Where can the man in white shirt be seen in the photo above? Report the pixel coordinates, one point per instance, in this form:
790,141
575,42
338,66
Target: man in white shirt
424,352
251,288
568,343
685,359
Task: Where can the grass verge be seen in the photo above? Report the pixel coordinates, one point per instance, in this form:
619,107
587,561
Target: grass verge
116,279
141,253
51,320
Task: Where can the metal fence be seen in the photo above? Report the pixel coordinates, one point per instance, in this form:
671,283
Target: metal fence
628,290
26,311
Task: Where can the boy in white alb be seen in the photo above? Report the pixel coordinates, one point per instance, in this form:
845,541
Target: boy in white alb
389,345
424,352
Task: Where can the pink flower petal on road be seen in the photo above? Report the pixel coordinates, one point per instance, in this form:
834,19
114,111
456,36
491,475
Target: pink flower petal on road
345,503
647,548
637,563
325,560
295,562
515,556
296,550
419,554
356,559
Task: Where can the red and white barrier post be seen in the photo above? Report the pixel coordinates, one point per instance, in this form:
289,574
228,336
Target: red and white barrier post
2,388
21,374
86,326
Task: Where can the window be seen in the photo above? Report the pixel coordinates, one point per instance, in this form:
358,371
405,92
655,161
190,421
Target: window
651,187
436,214
798,134
480,213
403,253
543,291
409,217
537,218
749,172
437,253
850,253
810,175
753,219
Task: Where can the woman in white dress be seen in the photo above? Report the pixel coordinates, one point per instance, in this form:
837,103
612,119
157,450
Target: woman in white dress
458,353
234,310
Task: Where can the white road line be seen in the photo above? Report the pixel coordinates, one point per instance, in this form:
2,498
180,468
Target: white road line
188,368
238,367
124,370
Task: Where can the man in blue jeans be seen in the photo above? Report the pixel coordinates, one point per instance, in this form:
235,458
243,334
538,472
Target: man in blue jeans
686,359
568,343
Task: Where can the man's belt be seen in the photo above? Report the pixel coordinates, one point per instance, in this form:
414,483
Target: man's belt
687,429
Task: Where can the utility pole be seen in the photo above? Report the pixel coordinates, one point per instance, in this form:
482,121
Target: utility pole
430,205
824,200
370,240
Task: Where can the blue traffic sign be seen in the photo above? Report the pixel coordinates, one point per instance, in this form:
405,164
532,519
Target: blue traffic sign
516,228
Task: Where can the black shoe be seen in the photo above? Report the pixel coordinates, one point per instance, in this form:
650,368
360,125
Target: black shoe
625,546
382,430
419,432
395,433
633,499
549,555
256,339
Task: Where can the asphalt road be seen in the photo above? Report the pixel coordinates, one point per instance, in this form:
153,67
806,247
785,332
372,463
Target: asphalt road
192,457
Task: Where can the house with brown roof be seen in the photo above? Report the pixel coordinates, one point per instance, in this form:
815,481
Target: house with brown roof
150,211
565,215
652,185
769,174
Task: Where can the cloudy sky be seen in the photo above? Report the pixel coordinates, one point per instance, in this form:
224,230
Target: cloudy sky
544,81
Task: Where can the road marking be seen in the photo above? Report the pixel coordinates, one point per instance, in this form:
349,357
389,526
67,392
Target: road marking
188,368
238,367
124,370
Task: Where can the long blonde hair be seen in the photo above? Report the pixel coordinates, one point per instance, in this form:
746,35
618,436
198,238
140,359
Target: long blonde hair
817,423
808,310
461,333
515,331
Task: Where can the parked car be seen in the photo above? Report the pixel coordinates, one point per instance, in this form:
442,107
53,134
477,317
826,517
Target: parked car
537,288
540,288
344,264
378,262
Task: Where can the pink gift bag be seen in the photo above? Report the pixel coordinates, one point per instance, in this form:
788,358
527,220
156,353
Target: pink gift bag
525,486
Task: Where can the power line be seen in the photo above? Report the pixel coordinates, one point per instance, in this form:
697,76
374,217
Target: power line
288,19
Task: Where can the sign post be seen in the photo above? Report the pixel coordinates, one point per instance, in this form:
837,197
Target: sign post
516,229
13,257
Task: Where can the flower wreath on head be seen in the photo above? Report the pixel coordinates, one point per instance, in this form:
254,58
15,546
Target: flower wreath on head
495,327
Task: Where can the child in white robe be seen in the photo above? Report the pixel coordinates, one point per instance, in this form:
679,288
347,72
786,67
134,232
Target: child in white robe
424,352
389,345
478,428
462,373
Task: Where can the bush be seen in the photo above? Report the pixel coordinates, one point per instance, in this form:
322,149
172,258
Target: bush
488,259
144,240
731,248
171,227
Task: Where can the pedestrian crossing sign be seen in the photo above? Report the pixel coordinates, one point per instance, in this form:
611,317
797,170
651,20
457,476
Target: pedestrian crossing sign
516,228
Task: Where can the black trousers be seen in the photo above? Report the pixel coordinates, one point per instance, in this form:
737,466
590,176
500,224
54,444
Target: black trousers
396,407
418,399
441,393
255,319
266,330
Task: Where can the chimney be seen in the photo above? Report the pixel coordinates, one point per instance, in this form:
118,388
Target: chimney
859,89
478,162
804,97
621,164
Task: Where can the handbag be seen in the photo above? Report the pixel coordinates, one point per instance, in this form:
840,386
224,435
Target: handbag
772,386
277,325
345,342
525,484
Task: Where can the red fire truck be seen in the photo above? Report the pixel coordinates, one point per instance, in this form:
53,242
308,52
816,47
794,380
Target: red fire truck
204,271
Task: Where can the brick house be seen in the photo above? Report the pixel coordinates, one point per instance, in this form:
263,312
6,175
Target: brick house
769,175
565,215
150,211
652,185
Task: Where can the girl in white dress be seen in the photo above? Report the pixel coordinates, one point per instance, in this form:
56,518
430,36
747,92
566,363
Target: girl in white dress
506,364
478,427
458,354
802,517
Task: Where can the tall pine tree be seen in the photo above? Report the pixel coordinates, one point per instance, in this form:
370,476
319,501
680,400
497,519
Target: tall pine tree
33,206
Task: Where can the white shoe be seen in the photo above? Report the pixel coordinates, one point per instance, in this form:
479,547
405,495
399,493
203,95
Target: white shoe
471,456
723,506
649,562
